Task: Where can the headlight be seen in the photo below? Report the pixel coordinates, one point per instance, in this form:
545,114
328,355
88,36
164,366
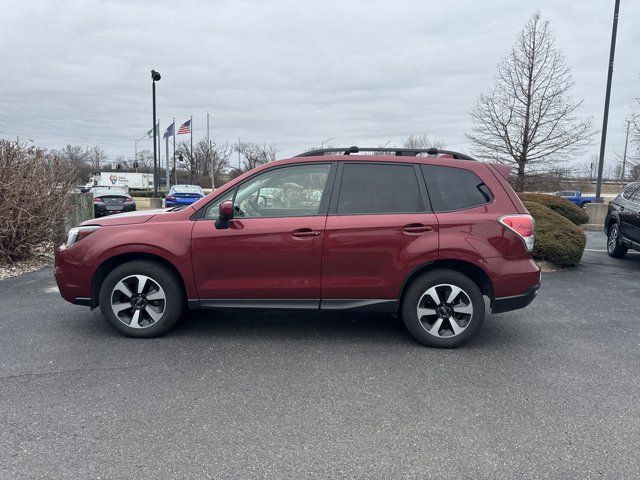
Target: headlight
78,233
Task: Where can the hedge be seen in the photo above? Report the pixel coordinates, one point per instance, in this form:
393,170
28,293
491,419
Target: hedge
559,205
557,239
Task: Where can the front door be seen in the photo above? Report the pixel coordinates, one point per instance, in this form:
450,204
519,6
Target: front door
272,249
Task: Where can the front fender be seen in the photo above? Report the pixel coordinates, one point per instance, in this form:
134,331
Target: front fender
170,241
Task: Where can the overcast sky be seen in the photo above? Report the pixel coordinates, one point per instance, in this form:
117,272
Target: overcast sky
290,73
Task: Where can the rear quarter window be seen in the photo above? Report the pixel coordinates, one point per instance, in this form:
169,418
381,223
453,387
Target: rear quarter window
452,188
629,191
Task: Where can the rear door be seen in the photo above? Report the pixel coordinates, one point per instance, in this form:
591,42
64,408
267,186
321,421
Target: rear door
379,229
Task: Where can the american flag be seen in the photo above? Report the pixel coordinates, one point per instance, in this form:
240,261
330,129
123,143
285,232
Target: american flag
185,128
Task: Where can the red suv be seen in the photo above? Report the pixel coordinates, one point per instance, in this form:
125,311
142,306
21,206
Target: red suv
426,237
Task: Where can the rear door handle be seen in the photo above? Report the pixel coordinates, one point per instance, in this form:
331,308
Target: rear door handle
416,228
305,233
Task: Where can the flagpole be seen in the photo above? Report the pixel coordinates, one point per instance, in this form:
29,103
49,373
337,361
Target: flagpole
166,165
213,183
159,156
175,173
193,161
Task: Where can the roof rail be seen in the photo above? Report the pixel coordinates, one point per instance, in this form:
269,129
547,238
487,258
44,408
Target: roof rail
399,152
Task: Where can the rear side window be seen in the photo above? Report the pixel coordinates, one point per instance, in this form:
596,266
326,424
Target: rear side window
453,188
629,191
378,188
636,196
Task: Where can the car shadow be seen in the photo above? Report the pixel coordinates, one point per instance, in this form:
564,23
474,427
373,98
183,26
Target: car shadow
249,326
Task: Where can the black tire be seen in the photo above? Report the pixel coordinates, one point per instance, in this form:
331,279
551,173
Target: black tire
168,310
615,248
416,295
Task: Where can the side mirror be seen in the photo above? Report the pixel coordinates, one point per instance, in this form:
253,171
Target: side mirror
225,214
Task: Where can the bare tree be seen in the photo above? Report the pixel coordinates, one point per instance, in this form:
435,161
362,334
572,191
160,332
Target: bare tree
186,160
77,159
145,160
214,159
421,141
255,154
529,119
96,156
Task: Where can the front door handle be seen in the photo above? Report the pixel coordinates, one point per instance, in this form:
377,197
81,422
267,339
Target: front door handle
305,233
416,228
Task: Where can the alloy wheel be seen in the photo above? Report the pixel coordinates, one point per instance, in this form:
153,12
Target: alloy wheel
613,239
138,301
445,310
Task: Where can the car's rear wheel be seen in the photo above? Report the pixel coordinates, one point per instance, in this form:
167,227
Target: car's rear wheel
443,308
615,248
141,299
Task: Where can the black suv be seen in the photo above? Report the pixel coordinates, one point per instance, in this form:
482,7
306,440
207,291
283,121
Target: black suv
622,223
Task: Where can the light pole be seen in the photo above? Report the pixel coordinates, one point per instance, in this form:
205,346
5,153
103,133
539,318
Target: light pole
155,77
605,119
326,141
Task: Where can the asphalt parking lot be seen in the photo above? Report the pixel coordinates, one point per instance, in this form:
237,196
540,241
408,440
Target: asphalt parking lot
551,391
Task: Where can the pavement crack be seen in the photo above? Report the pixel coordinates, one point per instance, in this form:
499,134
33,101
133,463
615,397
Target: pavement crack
70,371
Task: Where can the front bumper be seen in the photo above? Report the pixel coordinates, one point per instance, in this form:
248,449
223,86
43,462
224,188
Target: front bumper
514,302
73,276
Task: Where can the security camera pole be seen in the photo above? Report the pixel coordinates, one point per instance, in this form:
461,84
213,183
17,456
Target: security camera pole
155,76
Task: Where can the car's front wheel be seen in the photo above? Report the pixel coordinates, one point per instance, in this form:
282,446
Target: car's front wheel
443,308
615,248
141,299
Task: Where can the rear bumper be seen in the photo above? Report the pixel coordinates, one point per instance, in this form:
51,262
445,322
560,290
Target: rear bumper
514,302
169,203
100,210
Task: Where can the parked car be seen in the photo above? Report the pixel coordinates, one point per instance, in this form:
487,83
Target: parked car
425,237
622,223
183,195
576,197
109,200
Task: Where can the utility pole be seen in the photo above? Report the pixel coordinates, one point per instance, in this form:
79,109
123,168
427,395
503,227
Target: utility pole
239,167
624,156
605,119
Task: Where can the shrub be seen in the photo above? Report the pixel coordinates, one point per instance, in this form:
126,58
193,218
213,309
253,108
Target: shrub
557,239
559,205
33,198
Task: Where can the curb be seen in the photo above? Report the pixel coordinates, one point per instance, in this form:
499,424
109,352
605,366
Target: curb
592,227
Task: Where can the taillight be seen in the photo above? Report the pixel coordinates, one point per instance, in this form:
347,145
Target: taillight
523,225
171,197
97,200
128,199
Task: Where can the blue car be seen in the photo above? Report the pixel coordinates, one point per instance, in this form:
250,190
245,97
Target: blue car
183,195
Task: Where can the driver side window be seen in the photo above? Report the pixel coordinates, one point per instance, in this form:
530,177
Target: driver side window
294,191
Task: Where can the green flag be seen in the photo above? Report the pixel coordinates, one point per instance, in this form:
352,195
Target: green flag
150,132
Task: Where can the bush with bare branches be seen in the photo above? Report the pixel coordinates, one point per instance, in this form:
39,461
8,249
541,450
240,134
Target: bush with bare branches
34,198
